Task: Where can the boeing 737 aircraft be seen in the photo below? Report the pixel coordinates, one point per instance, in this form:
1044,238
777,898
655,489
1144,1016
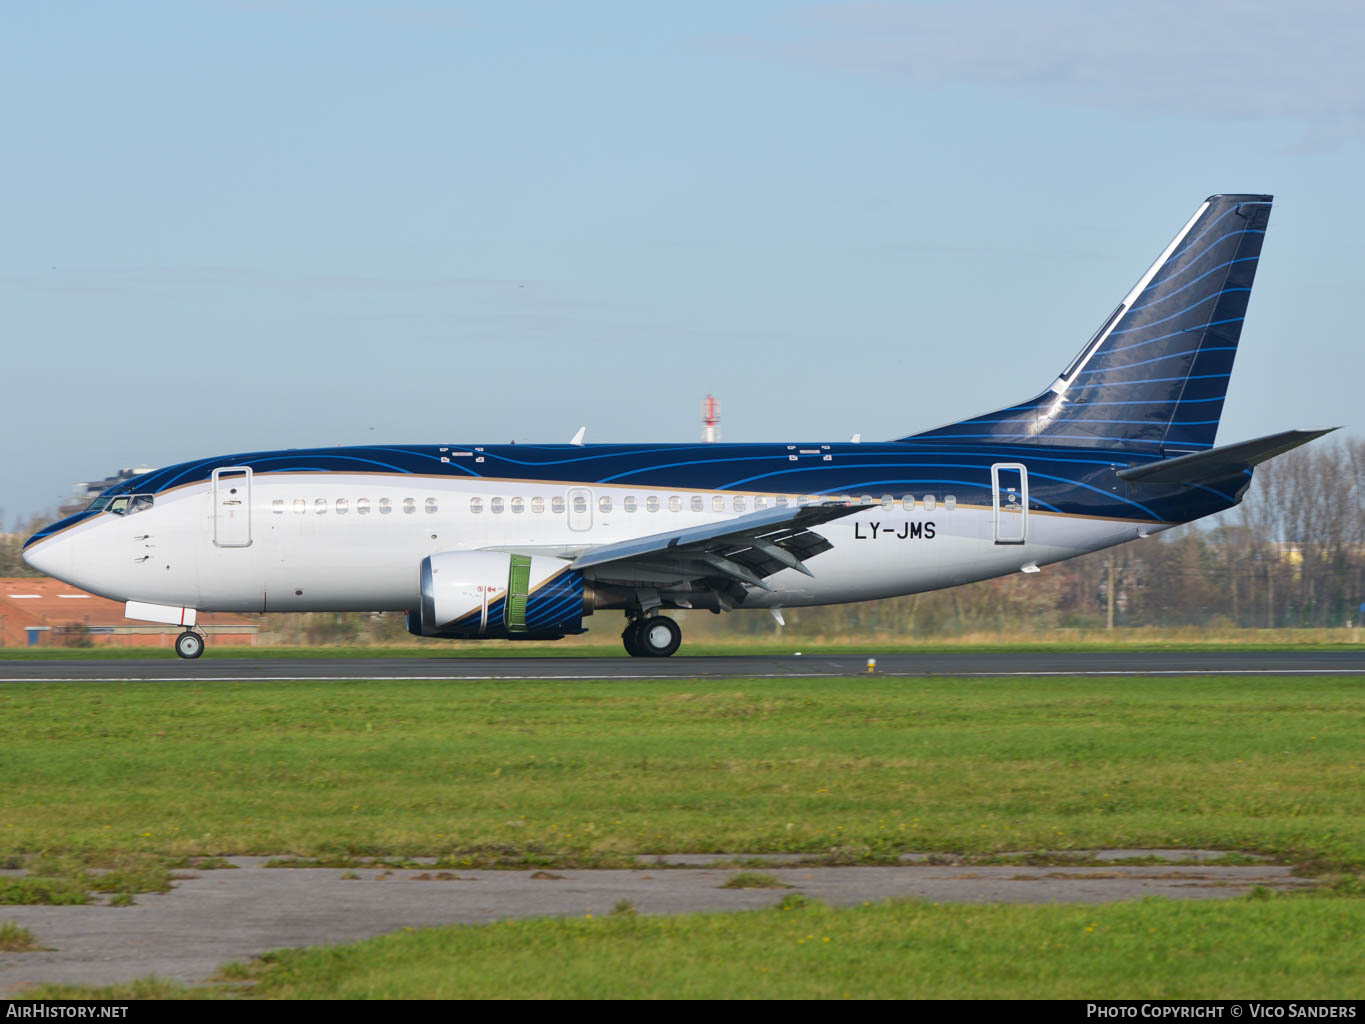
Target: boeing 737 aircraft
526,541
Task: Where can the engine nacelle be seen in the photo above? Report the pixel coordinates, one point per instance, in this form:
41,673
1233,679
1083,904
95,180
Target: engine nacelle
496,595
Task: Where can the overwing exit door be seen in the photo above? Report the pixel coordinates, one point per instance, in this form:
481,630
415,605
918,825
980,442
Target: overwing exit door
232,506
1009,490
580,508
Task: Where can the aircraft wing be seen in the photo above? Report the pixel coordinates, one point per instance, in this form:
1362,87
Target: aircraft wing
725,555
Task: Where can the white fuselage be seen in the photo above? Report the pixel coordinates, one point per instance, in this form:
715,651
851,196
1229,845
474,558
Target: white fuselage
334,541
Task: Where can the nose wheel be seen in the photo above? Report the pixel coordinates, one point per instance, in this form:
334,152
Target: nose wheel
189,645
655,637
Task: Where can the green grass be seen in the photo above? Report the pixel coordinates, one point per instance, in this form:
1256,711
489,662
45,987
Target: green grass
15,938
67,880
548,774
1277,948
753,880
42,891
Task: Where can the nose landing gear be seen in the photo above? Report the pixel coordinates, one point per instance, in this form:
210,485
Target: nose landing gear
189,644
655,637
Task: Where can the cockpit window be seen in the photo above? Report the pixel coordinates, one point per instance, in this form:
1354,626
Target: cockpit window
98,504
127,504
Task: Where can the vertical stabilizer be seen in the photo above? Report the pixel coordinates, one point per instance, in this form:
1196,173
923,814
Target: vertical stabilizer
1155,374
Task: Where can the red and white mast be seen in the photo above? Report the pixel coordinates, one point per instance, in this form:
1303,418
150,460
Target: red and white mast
710,417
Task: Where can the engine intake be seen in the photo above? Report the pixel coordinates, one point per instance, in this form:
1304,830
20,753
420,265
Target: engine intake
496,595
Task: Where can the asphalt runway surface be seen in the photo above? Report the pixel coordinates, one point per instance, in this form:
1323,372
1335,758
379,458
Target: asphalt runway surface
760,666
212,917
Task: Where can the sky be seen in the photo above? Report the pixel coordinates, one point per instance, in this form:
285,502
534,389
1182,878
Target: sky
244,224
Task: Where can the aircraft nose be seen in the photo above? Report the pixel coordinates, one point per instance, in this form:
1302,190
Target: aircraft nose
51,556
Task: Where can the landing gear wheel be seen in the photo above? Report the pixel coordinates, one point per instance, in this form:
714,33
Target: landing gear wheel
631,639
189,645
658,637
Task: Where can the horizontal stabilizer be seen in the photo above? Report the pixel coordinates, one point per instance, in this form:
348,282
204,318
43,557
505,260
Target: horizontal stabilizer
1220,462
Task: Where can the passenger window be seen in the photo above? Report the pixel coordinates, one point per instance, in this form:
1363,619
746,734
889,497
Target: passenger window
362,506
475,505
929,503
696,503
300,506
409,506
652,503
557,506
760,504
518,506
431,506
385,506
674,503
320,506
538,505
739,503
580,504
888,502
277,506
866,499
717,503
343,506
950,502
495,506
604,504
908,503
630,503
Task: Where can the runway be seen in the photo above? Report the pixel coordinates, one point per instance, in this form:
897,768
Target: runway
759,666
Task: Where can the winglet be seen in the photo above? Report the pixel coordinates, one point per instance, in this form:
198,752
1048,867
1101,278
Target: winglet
578,437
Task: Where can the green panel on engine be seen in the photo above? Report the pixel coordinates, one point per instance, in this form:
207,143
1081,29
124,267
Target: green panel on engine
518,584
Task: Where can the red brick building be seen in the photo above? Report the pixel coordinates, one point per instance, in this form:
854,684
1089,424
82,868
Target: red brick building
45,612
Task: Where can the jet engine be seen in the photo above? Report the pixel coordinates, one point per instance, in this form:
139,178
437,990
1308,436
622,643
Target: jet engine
496,595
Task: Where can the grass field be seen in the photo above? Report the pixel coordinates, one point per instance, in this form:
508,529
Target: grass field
580,774
858,770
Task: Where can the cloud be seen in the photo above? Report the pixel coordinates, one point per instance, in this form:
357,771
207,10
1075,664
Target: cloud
1246,58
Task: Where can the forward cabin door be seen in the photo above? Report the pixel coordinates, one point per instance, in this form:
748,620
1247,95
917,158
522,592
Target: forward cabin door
1009,490
232,507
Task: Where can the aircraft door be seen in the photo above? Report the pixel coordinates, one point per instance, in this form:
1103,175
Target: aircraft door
1009,499
580,508
232,507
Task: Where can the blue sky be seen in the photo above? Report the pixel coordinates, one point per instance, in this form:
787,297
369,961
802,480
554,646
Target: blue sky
242,225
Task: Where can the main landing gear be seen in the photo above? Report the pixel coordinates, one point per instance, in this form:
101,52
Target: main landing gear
189,644
655,637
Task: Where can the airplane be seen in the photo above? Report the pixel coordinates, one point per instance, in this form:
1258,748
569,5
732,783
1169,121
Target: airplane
524,542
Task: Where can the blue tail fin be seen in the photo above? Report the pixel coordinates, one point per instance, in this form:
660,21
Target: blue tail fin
1155,374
